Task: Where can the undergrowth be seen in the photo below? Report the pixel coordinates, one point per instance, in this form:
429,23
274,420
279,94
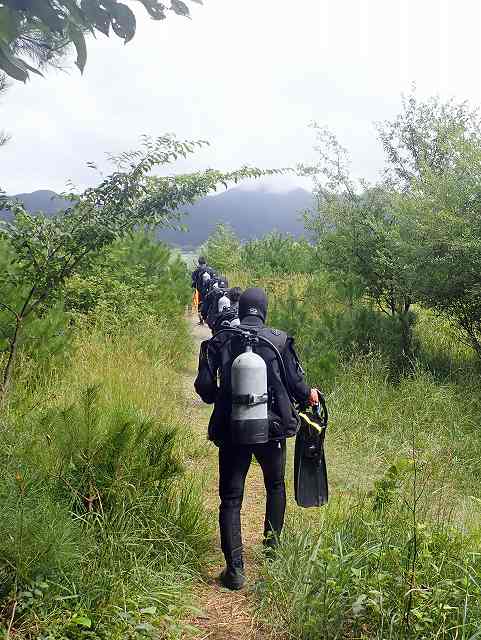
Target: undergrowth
396,553
102,530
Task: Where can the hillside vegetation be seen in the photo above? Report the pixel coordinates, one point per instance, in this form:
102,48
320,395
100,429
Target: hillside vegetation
101,528
384,310
395,554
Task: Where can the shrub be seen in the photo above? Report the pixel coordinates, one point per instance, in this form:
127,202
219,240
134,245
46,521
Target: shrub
279,254
368,574
108,526
130,280
222,249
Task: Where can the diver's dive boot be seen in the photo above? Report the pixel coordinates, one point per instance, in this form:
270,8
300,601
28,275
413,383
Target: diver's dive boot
233,576
270,544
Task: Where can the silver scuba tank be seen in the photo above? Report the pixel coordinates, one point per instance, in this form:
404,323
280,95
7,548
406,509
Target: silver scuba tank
223,303
249,419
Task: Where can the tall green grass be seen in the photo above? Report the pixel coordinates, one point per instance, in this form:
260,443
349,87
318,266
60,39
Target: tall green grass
357,572
102,530
396,553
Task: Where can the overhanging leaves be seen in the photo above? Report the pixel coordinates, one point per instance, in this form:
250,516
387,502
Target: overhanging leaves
123,21
78,40
96,15
180,8
44,28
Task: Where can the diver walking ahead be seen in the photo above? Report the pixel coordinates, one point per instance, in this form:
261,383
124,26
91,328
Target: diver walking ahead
252,375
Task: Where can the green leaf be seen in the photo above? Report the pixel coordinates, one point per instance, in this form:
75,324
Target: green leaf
144,627
96,15
180,8
75,13
82,621
43,10
154,9
13,66
78,39
8,24
151,611
123,21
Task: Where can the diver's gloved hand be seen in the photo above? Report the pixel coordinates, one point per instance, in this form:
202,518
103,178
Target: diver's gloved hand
313,398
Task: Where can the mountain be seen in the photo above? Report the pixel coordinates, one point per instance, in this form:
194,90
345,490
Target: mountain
251,213
43,200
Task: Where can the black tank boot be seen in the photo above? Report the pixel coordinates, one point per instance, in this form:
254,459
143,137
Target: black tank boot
233,576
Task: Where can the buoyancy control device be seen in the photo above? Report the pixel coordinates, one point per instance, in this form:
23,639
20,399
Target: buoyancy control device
250,397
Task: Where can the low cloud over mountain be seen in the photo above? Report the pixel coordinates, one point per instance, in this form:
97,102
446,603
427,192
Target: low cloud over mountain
251,213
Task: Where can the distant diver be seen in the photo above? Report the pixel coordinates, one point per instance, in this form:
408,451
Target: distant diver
200,277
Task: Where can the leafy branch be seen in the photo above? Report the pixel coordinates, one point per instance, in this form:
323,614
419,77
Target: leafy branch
47,251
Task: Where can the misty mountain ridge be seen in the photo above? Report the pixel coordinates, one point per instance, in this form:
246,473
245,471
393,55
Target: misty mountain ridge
250,213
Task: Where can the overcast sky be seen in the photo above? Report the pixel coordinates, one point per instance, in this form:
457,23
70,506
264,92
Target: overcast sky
249,76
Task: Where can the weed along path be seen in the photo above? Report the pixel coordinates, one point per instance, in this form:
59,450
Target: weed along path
226,615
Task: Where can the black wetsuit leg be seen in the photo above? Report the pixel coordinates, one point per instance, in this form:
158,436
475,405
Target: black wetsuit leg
272,459
234,463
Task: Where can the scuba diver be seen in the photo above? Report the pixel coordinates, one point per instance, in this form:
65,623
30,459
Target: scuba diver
210,287
249,421
216,300
201,268
234,295
200,277
229,316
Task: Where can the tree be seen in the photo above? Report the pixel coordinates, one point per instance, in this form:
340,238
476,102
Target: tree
433,150
427,138
36,33
278,253
221,250
362,238
46,251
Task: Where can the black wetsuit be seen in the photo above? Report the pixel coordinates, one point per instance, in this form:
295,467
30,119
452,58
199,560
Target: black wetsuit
235,460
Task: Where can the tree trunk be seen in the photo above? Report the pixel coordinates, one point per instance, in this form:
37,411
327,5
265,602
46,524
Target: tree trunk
12,353
406,333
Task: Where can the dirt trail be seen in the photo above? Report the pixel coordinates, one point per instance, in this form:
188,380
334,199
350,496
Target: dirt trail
226,615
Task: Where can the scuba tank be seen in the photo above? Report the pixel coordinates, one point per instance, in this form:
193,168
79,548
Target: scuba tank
249,419
223,302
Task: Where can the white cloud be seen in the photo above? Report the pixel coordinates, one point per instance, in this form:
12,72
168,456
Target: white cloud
249,76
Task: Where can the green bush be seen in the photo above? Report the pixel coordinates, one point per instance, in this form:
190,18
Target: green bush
37,533
363,573
222,249
101,456
130,280
279,254
45,340
328,332
102,528
95,500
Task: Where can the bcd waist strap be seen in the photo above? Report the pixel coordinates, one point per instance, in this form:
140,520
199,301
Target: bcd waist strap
250,399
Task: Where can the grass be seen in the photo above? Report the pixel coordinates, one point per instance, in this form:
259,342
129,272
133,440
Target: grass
98,507
396,554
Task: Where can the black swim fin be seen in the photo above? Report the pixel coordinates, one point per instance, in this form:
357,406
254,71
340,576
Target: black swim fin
310,471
